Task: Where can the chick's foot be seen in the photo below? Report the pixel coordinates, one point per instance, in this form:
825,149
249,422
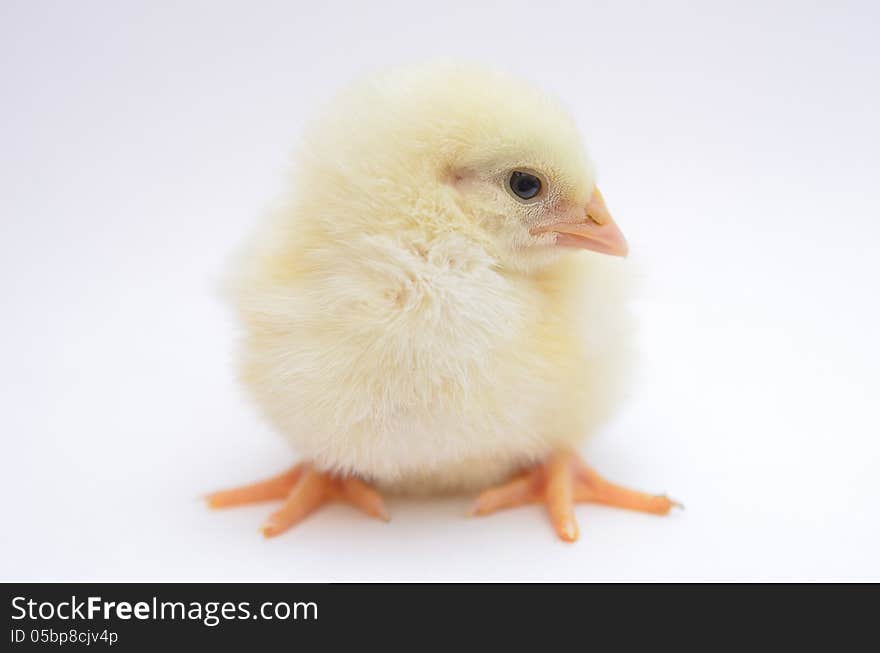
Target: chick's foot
560,483
303,489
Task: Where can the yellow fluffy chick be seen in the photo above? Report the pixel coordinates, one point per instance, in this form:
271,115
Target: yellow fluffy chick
417,315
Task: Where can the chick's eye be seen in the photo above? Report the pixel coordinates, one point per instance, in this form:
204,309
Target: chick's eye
524,185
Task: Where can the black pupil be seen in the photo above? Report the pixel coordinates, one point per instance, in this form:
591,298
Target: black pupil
525,185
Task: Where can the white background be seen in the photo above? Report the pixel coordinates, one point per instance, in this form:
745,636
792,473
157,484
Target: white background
738,148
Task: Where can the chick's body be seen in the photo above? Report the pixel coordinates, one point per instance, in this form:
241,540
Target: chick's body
394,329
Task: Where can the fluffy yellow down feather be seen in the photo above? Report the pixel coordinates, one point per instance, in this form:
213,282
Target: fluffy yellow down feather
400,322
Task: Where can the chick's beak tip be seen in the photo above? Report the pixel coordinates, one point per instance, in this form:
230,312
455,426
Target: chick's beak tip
598,232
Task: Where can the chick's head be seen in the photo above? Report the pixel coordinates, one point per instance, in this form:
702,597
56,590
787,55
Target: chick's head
452,147
524,176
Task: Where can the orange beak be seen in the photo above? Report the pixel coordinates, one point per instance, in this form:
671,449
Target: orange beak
598,232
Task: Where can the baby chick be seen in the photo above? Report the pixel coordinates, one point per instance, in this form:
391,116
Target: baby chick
417,316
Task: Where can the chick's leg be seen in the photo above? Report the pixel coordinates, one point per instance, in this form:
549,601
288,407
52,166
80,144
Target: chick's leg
303,489
560,483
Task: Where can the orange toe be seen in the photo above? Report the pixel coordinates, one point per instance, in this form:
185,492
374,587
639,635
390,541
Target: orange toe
559,492
593,487
270,489
310,492
560,483
360,495
303,490
521,490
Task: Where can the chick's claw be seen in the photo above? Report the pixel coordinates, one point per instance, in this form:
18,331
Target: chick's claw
560,483
303,490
